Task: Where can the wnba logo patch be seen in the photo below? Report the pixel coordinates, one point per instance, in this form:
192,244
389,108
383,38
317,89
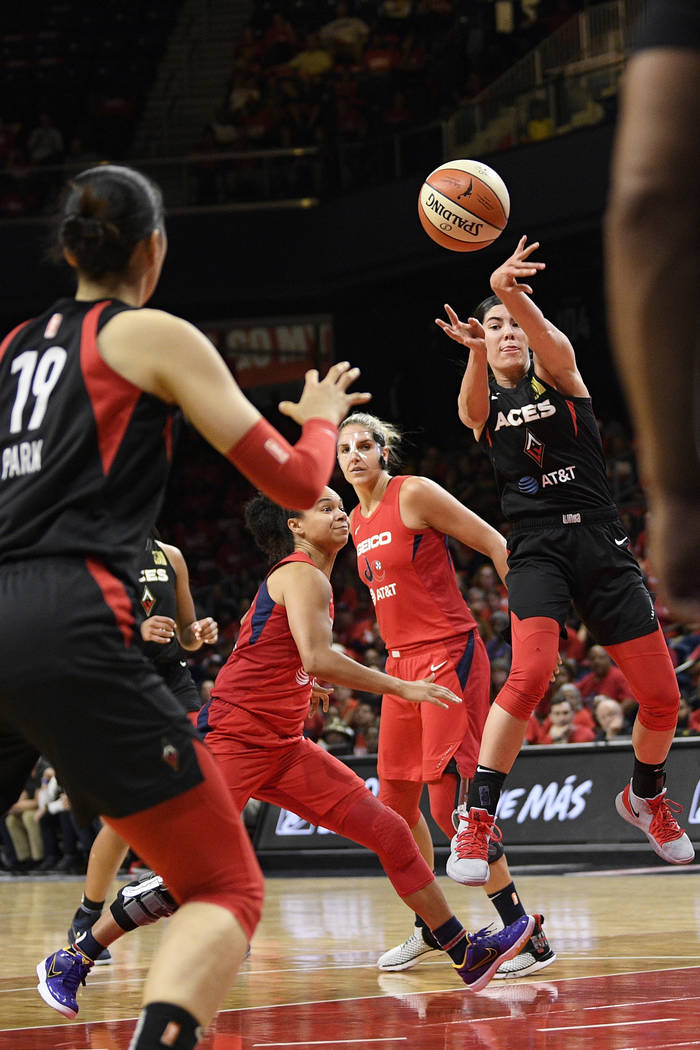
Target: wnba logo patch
171,756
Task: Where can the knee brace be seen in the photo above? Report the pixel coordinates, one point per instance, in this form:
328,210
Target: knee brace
386,833
647,666
535,648
142,902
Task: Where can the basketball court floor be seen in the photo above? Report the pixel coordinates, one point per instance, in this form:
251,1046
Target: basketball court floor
627,975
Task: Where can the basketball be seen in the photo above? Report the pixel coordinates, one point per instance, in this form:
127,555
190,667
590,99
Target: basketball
463,205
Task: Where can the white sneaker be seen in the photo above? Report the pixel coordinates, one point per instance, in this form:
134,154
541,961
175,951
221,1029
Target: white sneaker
533,956
410,953
654,816
468,862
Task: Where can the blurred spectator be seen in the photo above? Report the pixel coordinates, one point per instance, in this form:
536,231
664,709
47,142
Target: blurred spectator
610,717
45,142
540,124
314,60
605,678
279,41
562,728
337,737
345,34
685,726
66,845
22,825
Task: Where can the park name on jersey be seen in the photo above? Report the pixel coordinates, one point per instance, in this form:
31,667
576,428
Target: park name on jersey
22,458
380,539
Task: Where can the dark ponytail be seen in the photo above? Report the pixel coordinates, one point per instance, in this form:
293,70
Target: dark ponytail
104,213
267,522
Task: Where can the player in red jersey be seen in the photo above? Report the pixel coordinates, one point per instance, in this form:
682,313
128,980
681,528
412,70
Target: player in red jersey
400,530
88,391
254,724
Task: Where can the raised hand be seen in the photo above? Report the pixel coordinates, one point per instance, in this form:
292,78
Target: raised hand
519,265
326,398
469,333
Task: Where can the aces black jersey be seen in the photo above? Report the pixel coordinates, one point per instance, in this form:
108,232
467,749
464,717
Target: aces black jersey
84,454
546,452
158,597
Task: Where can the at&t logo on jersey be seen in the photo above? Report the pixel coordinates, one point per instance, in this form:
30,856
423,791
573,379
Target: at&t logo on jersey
527,414
529,485
380,539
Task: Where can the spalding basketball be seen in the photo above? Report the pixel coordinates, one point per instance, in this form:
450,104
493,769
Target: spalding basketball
463,205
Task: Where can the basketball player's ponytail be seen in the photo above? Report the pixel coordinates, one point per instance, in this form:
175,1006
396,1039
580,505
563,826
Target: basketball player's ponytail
104,214
267,523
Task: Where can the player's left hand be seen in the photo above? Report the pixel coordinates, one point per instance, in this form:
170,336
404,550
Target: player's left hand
519,265
319,695
206,630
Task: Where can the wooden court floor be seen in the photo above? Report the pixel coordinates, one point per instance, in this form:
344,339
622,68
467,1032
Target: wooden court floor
627,976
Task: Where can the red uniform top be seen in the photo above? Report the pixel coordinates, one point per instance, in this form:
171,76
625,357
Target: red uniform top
263,677
410,576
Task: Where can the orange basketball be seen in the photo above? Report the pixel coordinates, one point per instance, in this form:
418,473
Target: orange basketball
463,205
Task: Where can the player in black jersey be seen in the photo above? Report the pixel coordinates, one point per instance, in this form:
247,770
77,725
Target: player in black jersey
653,274
170,625
87,393
528,406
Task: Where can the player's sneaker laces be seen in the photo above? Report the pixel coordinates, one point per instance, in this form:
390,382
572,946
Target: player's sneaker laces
83,920
486,951
655,817
468,861
59,976
413,951
534,955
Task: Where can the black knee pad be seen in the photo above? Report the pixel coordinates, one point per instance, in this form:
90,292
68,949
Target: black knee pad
496,851
142,902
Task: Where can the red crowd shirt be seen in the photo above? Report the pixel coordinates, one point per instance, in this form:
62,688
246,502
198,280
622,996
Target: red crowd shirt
410,576
613,684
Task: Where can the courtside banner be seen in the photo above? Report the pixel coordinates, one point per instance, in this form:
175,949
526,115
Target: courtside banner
554,795
269,351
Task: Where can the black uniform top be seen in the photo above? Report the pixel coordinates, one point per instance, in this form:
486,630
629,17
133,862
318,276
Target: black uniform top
84,454
546,452
157,594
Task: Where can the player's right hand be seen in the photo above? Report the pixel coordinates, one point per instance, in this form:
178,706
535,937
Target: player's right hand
426,692
469,333
326,398
158,629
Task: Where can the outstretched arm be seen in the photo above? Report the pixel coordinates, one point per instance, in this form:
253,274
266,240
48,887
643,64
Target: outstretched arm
173,360
473,397
306,594
555,360
423,503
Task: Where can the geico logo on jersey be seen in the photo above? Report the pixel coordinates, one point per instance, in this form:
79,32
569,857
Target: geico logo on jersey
153,576
378,540
527,414
558,477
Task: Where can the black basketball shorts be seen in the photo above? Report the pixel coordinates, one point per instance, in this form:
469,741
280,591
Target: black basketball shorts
589,565
77,688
